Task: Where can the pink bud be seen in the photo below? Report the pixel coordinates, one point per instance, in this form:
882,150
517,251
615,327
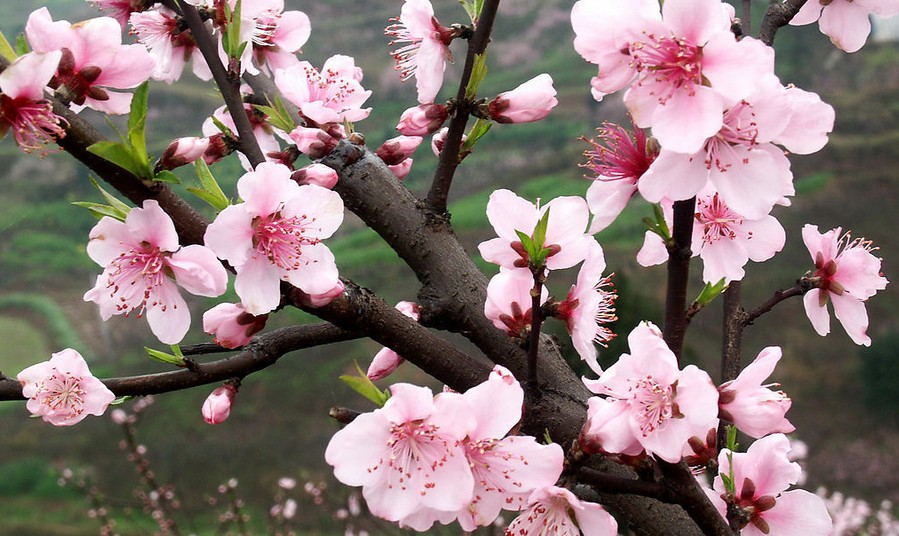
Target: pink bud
313,142
531,101
317,174
383,364
439,139
217,406
231,325
422,120
182,151
397,149
219,147
402,169
320,300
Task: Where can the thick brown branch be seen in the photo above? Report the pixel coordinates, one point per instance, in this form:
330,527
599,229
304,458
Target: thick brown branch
262,352
776,17
449,156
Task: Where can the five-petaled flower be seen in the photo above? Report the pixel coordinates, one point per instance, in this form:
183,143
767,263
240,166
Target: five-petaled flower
62,391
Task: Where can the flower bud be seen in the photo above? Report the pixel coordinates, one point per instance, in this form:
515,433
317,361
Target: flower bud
320,300
397,149
422,120
531,101
439,139
231,325
313,142
317,174
217,406
402,169
182,151
219,147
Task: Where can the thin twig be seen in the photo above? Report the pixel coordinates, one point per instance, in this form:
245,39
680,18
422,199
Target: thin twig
679,254
536,323
801,287
777,16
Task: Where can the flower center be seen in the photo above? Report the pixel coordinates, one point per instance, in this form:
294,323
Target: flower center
655,404
282,239
63,393
717,219
416,449
615,155
669,61
135,275
33,123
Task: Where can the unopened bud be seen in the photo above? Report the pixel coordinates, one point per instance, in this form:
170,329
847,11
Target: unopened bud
217,407
422,120
531,101
317,174
397,149
182,151
313,142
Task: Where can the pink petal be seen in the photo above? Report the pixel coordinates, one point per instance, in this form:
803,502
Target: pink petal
674,176
816,312
28,75
316,272
846,23
198,271
851,313
169,319
497,405
230,236
259,285
796,512
151,224
45,35
702,110
364,439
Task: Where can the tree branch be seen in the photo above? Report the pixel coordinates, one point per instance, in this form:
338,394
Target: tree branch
776,17
801,287
679,254
449,156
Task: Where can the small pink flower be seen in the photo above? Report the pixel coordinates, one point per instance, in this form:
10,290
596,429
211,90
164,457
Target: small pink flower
531,101
754,408
143,267
332,95
23,108
618,160
170,45
274,35
395,150
121,10
276,235
62,391
438,140
182,151
387,360
846,22
317,174
761,478
848,274
550,511
650,405
425,47
217,407
422,120
231,325
313,142
509,301
565,232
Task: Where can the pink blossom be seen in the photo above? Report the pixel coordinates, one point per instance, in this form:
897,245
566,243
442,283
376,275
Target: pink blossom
170,45
333,95
231,325
761,477
322,298
23,108
182,151
276,235
395,150
121,10
62,391
407,455
143,267
588,306
313,142
274,35
550,511
530,101
438,140
387,360
422,120
509,301
93,60
424,47
506,469
650,404
262,131
618,160
401,170
317,174
565,232
847,274
754,408
217,406
846,22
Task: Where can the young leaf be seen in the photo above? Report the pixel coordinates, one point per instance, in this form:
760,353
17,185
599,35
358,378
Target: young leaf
710,292
167,176
22,47
478,74
121,156
113,200
209,189
362,385
6,49
137,121
278,115
481,126
163,357
540,230
99,211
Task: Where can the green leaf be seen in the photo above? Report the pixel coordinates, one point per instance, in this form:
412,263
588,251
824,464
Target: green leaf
659,214
278,115
477,132
22,47
231,42
547,440
121,156
728,483
99,211
219,125
137,121
164,357
121,400
540,230
362,385
528,243
113,200
710,292
478,74
6,49
209,189
167,176
732,438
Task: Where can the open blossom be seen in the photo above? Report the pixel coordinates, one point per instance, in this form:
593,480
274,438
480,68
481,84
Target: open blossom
847,274
756,409
509,301
761,478
387,360
550,511
231,325
649,404
589,305
274,35
276,235
531,101
62,391
332,95
408,455
846,22
23,109
565,231
93,60
170,45
618,160
143,267
217,406
424,47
